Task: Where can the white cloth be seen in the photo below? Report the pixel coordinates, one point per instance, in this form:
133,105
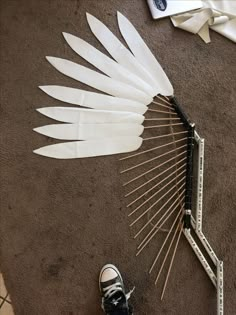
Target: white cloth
219,16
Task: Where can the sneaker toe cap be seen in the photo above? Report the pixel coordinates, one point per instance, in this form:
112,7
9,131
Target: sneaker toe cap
108,274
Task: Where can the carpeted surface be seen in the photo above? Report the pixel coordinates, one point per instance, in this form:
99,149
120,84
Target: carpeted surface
62,220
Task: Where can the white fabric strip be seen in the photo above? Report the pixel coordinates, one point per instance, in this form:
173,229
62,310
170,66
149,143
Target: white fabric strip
89,131
227,29
119,52
144,54
106,64
90,116
219,16
93,100
99,81
90,148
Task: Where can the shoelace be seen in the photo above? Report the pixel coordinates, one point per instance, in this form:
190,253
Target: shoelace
115,287
128,295
112,289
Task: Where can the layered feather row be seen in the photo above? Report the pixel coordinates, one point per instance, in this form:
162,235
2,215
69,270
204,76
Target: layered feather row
107,123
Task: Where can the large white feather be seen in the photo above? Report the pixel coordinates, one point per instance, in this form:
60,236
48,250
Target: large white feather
144,54
90,116
119,52
89,131
93,100
106,64
89,148
99,81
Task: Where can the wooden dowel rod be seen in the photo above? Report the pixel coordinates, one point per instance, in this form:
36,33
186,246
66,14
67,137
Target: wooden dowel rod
150,160
160,119
153,149
144,244
149,208
157,212
161,126
166,239
162,105
157,184
158,175
156,193
161,111
166,135
165,97
174,204
168,250
172,259
163,100
154,168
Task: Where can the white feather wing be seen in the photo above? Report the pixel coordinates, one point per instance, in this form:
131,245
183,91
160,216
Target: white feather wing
90,148
144,54
93,100
89,131
99,81
106,64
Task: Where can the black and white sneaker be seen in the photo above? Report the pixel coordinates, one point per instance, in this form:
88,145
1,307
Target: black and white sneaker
114,298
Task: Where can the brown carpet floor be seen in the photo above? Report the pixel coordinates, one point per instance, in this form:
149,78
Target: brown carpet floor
62,220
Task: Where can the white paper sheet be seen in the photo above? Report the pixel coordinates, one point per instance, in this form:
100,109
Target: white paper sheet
90,116
89,131
144,55
107,65
90,148
93,100
99,81
119,52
